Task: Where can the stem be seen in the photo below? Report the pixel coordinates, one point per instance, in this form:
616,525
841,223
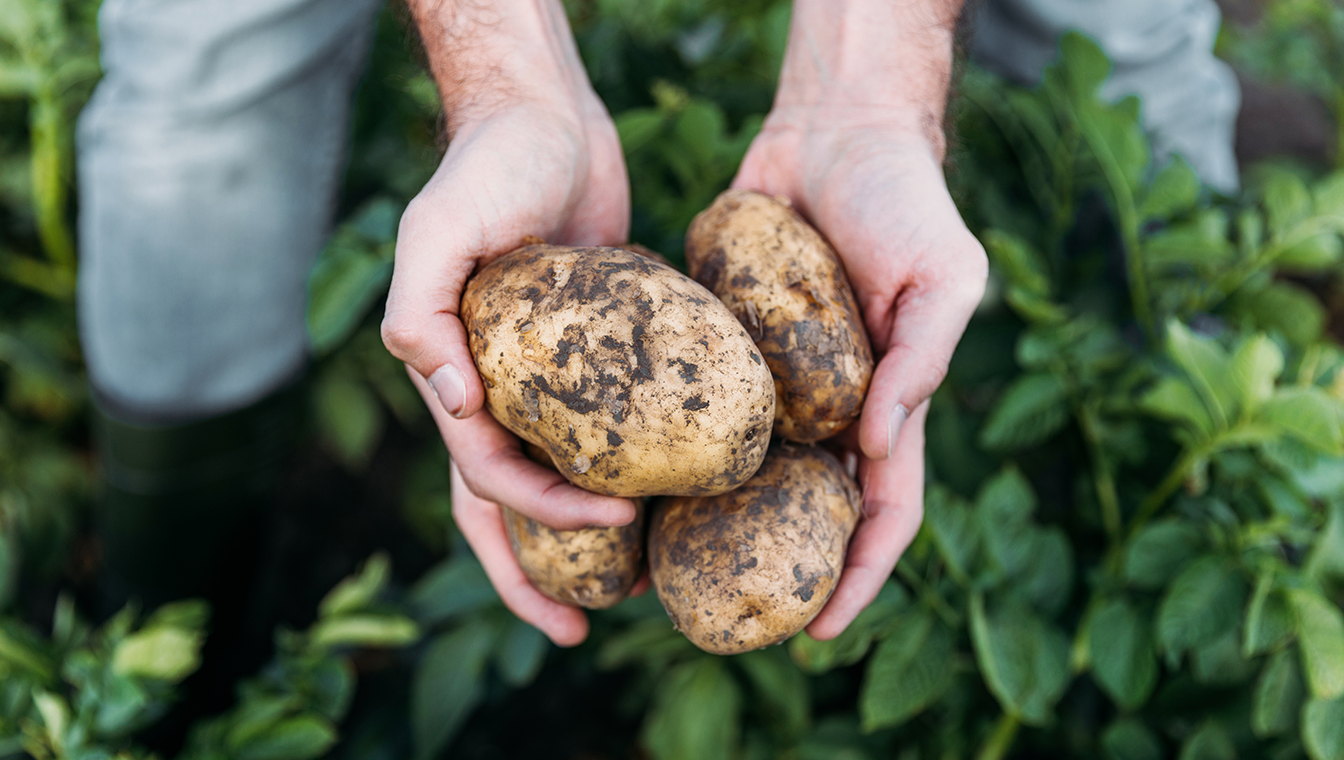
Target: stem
1127,219
929,596
1167,487
1102,478
49,188
1000,739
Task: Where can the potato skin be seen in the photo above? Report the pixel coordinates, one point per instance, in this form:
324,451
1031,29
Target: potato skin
592,567
751,568
786,285
634,378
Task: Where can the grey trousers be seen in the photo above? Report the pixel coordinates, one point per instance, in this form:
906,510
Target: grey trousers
210,154
208,163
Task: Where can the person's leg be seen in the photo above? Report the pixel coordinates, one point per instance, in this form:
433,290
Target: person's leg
209,158
1162,50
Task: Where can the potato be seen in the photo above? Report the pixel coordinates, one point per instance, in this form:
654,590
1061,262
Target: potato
751,568
592,567
784,282
634,378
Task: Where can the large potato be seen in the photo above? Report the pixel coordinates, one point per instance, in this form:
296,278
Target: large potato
635,379
785,284
752,567
591,567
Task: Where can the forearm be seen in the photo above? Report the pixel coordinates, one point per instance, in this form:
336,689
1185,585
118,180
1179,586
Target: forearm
486,55
871,60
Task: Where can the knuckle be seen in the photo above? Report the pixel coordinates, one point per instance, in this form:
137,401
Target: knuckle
402,335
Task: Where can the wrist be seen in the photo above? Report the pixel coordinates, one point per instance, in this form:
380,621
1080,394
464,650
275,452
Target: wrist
490,56
868,63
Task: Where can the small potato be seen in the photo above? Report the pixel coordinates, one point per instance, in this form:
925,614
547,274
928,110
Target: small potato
752,567
785,284
592,568
635,379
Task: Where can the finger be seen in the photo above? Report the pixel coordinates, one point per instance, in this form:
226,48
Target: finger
495,469
893,509
421,325
641,586
482,525
929,318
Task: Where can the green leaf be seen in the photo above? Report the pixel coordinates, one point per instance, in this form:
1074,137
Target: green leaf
1003,509
1287,202
521,654
1278,696
1130,739
953,529
451,588
1326,561
700,129
121,705
1030,410
907,673
357,591
343,285
1270,623
695,715
1047,580
1323,729
1290,309
1208,367
1174,190
388,631
779,686
1160,551
333,686
301,737
1085,65
1309,415
1316,253
349,417
1175,399
638,127
1210,742
377,220
1123,658
18,80
447,685
1320,635
164,653
1021,264
817,657
1255,366
1024,660
1200,242
1220,662
1203,602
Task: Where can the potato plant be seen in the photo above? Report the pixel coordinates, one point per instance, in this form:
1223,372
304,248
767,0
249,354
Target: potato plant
1133,543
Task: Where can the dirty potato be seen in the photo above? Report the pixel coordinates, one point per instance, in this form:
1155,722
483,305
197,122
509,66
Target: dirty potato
592,568
634,378
751,568
783,281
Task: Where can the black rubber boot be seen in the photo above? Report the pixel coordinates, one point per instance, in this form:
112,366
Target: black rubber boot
183,513
182,503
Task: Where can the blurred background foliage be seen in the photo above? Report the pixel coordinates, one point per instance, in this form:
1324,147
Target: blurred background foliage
1134,534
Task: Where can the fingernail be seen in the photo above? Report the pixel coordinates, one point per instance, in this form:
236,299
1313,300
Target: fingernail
851,463
898,416
450,387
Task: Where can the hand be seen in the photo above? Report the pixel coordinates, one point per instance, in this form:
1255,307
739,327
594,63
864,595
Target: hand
533,152
863,164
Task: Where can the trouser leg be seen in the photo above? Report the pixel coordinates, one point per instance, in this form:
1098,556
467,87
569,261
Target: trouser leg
209,159
1162,51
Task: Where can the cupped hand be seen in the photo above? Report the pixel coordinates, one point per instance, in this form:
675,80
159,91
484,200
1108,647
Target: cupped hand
529,169
874,186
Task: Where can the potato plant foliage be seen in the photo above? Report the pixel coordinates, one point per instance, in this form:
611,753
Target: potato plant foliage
1133,543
